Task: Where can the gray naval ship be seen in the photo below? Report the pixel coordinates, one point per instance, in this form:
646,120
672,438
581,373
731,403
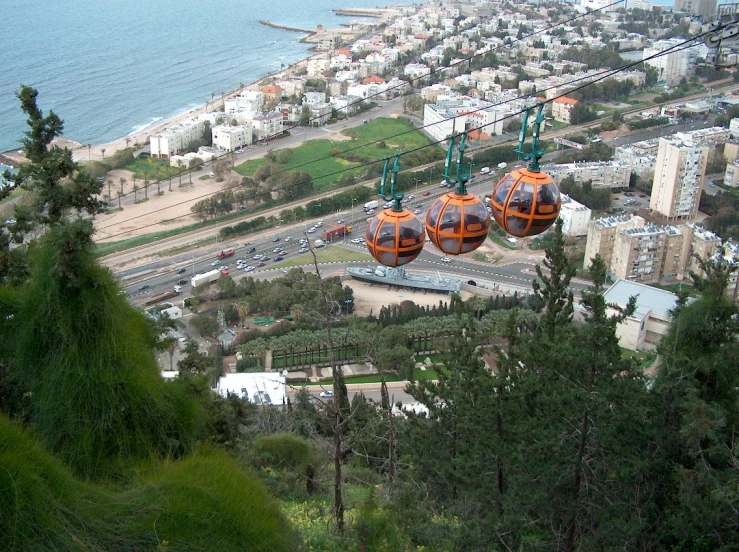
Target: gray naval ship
399,277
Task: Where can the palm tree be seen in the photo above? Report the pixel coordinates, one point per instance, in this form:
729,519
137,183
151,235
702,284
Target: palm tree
120,195
110,182
123,182
179,166
102,151
146,187
135,189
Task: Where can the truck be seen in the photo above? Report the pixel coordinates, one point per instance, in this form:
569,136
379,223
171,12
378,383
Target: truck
336,231
161,297
209,277
226,253
371,205
318,243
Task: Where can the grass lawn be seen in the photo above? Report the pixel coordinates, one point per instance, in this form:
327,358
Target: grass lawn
372,378
333,254
315,156
154,169
14,194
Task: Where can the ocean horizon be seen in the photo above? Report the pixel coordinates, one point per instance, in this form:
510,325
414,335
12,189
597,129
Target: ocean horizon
110,69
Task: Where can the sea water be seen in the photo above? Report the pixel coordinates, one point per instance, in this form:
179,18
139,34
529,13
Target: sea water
114,67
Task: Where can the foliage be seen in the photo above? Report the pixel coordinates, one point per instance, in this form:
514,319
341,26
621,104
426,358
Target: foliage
203,502
598,199
639,124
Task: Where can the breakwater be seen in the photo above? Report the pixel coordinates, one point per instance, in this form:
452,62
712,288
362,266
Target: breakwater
268,23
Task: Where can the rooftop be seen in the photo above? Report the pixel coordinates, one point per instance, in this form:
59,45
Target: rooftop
267,388
656,300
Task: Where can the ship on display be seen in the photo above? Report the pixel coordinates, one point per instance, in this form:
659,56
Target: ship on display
399,277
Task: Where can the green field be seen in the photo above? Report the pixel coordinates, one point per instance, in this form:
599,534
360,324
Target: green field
315,156
643,359
333,254
153,169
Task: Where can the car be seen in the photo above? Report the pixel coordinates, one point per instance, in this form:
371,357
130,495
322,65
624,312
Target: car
471,178
411,197
425,194
223,267
370,211
356,240
122,292
276,239
249,268
442,184
642,195
327,394
177,289
224,271
446,260
215,263
303,250
277,250
257,256
485,170
416,211
311,230
279,258
145,286
318,224
183,282
265,258
251,250
182,271
341,221
289,238
260,264
242,207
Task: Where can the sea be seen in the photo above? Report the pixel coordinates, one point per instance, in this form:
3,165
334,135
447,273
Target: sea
111,68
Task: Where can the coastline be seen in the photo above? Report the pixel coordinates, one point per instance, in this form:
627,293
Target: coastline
140,138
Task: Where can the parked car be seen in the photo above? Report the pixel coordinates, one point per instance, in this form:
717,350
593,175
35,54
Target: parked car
327,394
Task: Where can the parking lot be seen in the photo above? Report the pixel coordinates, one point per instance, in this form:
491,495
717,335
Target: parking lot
629,202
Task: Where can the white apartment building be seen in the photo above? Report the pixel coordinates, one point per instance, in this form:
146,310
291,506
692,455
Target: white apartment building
231,138
603,174
311,98
177,138
417,71
731,175
454,115
248,100
316,67
602,236
267,125
640,157
734,128
575,217
562,109
345,104
320,113
678,178
671,67
711,136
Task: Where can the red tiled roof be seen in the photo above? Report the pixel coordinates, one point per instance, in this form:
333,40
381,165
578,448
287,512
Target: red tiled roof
566,100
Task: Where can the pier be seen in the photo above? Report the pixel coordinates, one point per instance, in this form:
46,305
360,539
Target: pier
268,23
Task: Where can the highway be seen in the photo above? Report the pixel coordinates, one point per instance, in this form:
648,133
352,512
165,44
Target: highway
159,275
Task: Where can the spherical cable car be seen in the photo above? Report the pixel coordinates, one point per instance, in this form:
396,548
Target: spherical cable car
526,201
394,237
457,222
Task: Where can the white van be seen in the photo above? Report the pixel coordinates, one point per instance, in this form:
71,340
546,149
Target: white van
485,170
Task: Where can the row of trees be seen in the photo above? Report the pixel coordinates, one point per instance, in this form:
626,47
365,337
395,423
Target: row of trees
597,199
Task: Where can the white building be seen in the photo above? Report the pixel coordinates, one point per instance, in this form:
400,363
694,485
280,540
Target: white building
267,125
644,329
575,217
453,115
640,157
231,138
316,67
312,98
602,174
345,104
672,66
262,389
248,100
734,128
678,178
177,138
417,71
562,109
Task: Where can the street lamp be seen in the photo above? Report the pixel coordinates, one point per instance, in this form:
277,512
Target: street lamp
415,178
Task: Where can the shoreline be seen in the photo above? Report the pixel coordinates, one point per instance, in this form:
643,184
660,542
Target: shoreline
140,137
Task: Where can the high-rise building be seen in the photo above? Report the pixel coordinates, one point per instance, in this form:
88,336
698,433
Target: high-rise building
649,253
702,8
602,236
671,66
678,178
